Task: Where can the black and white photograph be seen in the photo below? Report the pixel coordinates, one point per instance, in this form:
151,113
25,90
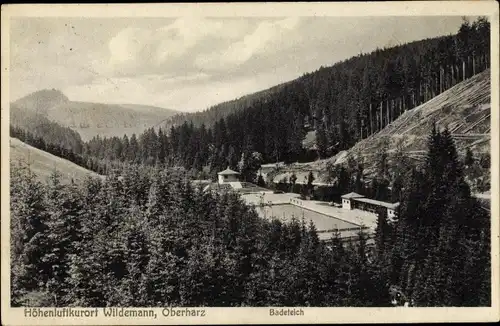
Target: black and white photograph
162,166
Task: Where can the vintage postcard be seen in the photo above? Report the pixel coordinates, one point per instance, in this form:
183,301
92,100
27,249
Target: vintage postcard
250,163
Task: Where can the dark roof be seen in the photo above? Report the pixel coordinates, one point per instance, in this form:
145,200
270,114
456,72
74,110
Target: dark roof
352,195
228,171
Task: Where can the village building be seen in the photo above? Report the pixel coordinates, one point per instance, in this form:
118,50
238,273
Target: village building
347,200
353,200
228,175
229,180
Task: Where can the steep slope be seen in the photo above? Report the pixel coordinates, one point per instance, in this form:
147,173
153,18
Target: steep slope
465,109
39,125
91,119
43,163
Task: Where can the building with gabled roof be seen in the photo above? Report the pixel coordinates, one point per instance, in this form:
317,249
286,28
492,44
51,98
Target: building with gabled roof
352,195
228,175
347,199
377,203
228,180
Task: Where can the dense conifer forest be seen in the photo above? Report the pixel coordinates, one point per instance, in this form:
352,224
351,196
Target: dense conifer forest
149,238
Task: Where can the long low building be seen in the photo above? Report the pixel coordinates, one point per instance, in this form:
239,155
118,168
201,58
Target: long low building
353,200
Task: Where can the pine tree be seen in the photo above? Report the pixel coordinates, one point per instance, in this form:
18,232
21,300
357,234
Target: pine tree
64,226
321,141
469,158
435,231
134,288
29,235
310,186
334,272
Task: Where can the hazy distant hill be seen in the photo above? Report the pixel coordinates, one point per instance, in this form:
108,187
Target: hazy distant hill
43,163
41,101
91,119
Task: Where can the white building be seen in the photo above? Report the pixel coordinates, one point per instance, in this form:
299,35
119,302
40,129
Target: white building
353,200
228,176
228,180
348,198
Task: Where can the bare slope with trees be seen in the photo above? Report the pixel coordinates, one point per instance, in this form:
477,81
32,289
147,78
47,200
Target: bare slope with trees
43,164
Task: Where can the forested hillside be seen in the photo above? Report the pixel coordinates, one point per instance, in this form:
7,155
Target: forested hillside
465,109
209,116
41,101
396,78
342,104
40,126
50,145
43,163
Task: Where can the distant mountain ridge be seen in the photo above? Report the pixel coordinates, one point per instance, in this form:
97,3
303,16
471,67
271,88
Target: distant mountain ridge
92,119
224,109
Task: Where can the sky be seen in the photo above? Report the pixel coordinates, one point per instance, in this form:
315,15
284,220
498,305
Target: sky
192,63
